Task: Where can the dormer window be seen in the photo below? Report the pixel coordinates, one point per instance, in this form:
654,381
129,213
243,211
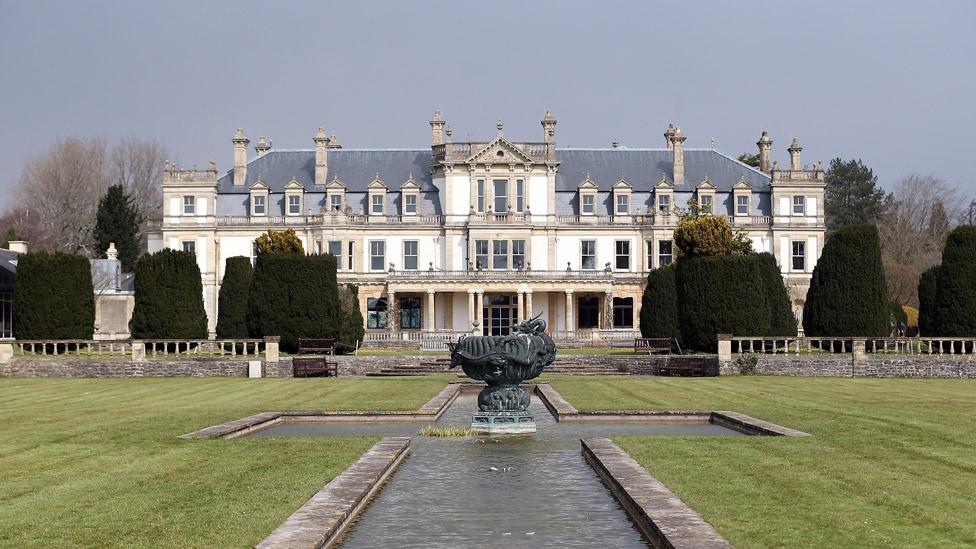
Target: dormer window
376,204
335,202
409,196
335,193
410,204
259,198
742,193
621,198
294,194
664,203
623,205
706,206
588,204
294,205
377,197
189,205
706,197
259,205
742,205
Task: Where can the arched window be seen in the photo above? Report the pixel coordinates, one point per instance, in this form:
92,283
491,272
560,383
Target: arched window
376,313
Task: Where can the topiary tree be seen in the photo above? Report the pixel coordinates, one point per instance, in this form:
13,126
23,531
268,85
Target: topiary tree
280,242
782,320
927,287
118,221
294,296
351,330
169,297
955,281
704,235
720,295
847,295
54,297
659,305
232,301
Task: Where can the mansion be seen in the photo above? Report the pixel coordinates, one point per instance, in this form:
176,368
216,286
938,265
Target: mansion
470,236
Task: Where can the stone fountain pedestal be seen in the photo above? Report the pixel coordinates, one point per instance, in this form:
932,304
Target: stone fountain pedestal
503,423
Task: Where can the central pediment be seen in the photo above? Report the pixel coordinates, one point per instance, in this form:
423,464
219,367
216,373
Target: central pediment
500,151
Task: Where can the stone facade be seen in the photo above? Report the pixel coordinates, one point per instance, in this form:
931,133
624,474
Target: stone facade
467,237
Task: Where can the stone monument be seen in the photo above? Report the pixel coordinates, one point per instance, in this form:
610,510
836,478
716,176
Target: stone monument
503,362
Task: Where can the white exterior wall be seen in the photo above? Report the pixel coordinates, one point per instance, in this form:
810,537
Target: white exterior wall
538,195
540,253
460,195
460,308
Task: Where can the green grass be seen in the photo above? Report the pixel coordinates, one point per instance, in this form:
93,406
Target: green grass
892,462
97,462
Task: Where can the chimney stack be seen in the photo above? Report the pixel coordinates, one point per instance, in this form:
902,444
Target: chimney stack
765,145
668,135
794,151
17,246
262,146
240,156
321,156
437,129
678,148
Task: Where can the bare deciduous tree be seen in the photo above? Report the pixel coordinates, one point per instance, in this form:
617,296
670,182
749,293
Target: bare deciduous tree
138,166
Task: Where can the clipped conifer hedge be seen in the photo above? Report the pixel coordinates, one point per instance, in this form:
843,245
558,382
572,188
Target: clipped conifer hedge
351,331
659,305
954,312
782,321
169,297
294,296
927,287
53,297
720,295
847,296
232,302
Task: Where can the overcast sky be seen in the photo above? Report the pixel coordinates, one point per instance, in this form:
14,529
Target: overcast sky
893,83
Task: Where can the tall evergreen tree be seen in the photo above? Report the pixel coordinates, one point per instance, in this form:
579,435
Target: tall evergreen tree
169,297
927,287
659,305
118,221
782,321
955,293
749,159
54,297
852,195
848,296
351,330
232,301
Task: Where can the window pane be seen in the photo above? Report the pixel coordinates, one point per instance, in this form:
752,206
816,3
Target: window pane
501,195
623,312
587,204
706,203
664,203
190,246
376,313
259,204
480,206
665,253
335,202
623,202
377,201
518,254
799,255
410,313
189,205
623,254
377,255
411,204
742,205
410,254
588,254
481,254
335,247
519,195
799,205
294,205
499,254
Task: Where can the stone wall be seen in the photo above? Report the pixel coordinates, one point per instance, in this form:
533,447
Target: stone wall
844,365
123,367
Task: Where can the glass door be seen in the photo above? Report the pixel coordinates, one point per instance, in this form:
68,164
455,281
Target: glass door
499,312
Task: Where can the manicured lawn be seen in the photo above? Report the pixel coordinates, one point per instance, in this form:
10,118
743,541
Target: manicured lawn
892,461
96,462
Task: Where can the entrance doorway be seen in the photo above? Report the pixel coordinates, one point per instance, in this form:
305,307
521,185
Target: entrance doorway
589,313
499,313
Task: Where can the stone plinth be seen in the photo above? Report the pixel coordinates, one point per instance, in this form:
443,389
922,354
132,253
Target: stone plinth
503,423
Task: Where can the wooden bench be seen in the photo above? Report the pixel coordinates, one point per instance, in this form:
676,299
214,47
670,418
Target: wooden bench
652,345
685,366
314,367
316,346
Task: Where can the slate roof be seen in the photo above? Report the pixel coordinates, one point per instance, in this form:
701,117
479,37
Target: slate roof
356,168
8,261
643,169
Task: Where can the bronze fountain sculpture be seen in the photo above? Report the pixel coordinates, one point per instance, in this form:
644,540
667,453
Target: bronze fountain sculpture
503,362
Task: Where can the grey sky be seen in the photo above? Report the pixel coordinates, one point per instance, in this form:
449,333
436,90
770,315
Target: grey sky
890,82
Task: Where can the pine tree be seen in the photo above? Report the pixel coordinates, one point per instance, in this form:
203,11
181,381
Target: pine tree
118,221
848,296
232,301
852,194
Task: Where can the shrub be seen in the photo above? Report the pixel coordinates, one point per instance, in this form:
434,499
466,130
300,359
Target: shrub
847,295
704,235
659,305
53,297
232,302
294,296
927,287
955,286
351,331
280,242
169,297
720,295
782,320
746,364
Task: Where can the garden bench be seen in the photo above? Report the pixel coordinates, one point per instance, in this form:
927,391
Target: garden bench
652,345
684,367
316,346
314,367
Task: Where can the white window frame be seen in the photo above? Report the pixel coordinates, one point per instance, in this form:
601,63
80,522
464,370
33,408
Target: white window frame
262,207
519,196
617,255
415,255
664,203
373,203
584,255
660,255
621,200
706,204
742,204
192,244
189,205
480,196
335,202
486,254
512,246
297,204
373,255
588,209
802,203
502,184
802,256
410,204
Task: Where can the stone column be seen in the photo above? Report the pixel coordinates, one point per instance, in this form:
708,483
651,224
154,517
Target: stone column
570,324
521,307
429,324
392,312
479,301
528,304
471,311
608,309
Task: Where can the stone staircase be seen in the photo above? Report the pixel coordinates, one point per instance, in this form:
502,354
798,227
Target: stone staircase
433,366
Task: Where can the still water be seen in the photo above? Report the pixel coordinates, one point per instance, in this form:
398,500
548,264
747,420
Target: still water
542,493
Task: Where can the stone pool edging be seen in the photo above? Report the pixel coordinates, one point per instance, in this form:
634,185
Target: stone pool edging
431,411
321,520
563,411
661,516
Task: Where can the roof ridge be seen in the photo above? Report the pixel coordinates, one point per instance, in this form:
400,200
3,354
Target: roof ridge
743,164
